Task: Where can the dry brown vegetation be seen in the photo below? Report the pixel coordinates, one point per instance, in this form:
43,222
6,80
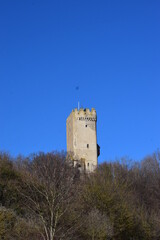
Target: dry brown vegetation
43,197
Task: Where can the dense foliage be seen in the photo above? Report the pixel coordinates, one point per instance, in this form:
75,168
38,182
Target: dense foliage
43,197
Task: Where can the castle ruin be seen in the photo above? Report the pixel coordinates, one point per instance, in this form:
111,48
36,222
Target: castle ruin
82,138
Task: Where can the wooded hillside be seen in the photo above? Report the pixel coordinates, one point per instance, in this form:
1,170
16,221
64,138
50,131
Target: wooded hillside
42,197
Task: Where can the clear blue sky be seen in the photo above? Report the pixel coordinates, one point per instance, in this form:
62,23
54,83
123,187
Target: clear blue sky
110,49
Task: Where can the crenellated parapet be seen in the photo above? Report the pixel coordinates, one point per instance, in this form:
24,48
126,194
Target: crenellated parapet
85,114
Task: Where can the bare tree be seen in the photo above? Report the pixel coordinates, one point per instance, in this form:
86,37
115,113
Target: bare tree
50,188
97,226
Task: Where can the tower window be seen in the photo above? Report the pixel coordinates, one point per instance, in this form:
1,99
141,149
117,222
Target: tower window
88,164
87,145
85,125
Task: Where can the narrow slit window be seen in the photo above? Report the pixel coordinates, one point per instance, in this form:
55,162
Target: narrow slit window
88,164
85,125
87,145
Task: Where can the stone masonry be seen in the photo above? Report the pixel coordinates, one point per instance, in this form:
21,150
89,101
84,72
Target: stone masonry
82,138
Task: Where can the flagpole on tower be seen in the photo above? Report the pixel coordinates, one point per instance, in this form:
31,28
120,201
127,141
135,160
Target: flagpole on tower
77,88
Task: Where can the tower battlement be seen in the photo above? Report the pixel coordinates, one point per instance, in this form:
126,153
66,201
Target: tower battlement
82,137
85,114
84,111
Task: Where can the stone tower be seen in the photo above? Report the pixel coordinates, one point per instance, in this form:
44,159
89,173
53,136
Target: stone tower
82,138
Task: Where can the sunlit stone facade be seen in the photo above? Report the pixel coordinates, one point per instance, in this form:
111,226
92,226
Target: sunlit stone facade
82,138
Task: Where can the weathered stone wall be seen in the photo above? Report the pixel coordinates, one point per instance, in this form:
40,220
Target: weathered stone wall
82,136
